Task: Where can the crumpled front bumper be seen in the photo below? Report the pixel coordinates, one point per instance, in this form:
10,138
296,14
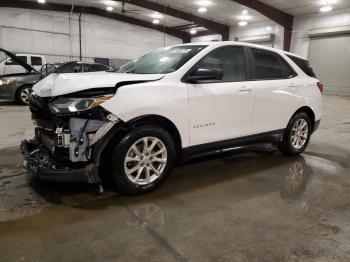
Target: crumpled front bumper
38,161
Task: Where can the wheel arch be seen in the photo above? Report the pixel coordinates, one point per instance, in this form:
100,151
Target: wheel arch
19,88
102,156
163,122
309,112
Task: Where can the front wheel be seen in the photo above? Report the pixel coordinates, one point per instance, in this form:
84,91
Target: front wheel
23,94
142,160
297,135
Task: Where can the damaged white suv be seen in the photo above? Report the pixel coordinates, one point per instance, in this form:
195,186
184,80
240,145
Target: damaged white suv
134,125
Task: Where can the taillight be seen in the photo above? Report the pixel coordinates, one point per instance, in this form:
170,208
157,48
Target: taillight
320,86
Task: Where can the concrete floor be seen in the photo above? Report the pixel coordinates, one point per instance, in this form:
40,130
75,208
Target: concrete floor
254,206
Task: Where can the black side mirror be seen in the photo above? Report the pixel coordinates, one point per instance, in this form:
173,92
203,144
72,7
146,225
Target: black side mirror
205,74
47,69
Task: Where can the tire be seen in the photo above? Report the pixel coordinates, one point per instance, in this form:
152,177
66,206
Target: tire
22,95
299,126
130,176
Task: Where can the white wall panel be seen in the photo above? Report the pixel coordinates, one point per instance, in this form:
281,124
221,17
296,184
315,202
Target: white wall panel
101,37
206,38
303,24
257,29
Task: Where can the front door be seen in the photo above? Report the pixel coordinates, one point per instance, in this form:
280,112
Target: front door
221,109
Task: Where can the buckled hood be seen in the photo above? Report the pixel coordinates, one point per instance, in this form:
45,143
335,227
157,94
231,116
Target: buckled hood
62,84
26,66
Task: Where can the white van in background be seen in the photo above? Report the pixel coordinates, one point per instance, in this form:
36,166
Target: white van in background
8,66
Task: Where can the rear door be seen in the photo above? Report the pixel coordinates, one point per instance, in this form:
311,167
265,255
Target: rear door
221,109
276,88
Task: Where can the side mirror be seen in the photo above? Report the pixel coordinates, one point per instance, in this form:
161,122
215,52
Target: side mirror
205,74
47,69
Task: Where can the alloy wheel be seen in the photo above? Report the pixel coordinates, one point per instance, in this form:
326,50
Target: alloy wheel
300,133
25,95
145,160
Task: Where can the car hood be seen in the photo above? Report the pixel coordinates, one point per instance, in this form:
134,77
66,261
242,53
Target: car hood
62,84
27,67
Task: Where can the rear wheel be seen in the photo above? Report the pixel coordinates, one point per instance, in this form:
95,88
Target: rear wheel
297,135
142,160
23,93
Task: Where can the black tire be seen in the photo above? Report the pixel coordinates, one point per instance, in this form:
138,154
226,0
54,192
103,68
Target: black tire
20,99
286,147
120,179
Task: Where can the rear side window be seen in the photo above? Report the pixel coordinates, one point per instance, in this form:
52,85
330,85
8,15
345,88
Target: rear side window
36,61
269,65
97,67
303,65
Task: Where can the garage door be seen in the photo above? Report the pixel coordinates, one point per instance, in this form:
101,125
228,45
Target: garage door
330,58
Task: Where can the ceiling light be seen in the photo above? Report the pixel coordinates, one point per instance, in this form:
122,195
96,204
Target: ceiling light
109,2
327,2
109,8
269,28
193,31
156,21
242,23
326,8
41,1
202,9
157,15
245,12
244,17
203,3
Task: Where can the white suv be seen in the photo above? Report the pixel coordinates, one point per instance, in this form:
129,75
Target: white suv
134,125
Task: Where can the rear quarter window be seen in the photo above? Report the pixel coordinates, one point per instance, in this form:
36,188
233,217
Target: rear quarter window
303,65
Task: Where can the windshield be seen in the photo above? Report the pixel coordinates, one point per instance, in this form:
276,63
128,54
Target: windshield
162,61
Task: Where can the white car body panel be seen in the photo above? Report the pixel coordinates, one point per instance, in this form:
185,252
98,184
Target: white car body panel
220,111
62,84
202,113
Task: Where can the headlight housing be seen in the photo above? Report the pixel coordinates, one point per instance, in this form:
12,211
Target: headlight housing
65,105
7,81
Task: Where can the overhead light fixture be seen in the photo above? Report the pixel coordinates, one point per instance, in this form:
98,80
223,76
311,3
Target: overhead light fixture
110,3
202,9
109,8
157,15
156,21
245,12
242,23
326,8
269,28
203,2
41,1
244,17
193,31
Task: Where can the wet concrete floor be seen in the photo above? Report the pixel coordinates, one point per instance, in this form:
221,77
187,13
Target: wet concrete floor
252,206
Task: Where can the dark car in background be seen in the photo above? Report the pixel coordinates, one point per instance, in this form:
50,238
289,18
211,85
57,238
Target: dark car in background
18,86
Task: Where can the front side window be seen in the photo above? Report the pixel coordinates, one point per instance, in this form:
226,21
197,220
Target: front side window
162,61
230,60
36,61
12,62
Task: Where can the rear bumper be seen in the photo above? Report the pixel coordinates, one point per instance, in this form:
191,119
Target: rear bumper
38,161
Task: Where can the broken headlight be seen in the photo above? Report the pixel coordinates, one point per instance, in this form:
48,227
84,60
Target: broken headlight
64,105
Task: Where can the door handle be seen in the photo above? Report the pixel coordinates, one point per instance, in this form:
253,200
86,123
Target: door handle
244,89
293,86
